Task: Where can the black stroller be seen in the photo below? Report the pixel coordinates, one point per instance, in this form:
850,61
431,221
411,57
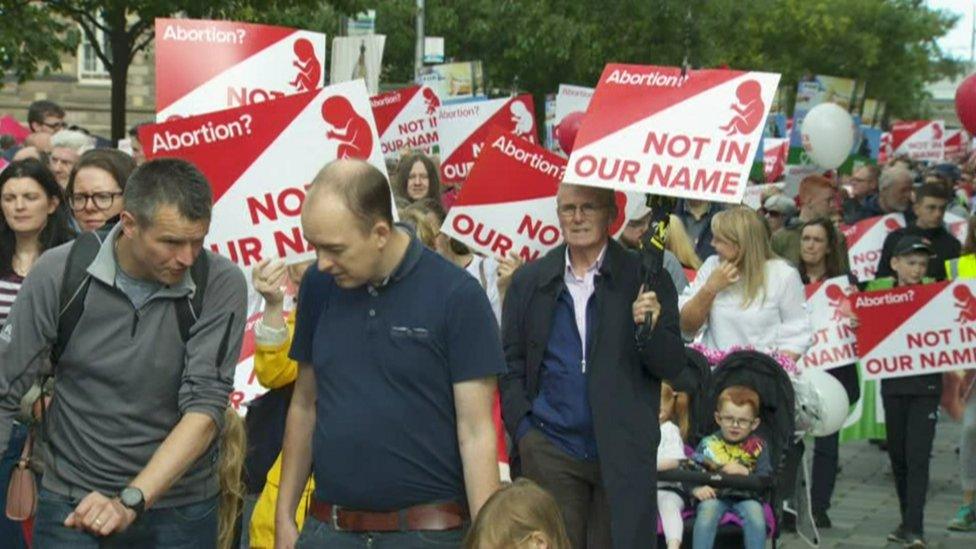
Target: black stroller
763,374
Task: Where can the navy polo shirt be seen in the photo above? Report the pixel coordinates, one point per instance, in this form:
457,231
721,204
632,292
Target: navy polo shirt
385,362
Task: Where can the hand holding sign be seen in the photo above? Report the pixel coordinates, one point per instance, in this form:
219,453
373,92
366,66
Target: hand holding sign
646,304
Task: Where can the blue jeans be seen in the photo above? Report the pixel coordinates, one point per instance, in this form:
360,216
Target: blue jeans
11,534
316,534
710,512
189,526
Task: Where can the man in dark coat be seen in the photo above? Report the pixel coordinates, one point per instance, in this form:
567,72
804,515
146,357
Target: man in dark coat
580,397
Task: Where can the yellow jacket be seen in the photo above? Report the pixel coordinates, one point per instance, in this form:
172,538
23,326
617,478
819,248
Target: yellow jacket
274,369
961,268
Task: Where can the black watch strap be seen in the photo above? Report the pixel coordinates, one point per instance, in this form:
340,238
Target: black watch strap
133,498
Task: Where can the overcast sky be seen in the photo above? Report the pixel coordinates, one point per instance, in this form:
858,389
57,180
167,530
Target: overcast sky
957,41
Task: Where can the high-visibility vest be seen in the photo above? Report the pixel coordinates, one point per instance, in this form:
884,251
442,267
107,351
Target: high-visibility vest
962,267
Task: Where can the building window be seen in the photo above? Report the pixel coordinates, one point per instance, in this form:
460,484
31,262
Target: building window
90,68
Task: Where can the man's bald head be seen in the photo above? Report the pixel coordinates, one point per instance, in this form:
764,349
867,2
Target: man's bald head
361,188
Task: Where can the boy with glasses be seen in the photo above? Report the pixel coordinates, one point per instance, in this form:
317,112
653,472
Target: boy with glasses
734,449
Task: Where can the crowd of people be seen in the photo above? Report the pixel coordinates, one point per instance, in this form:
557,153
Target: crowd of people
401,367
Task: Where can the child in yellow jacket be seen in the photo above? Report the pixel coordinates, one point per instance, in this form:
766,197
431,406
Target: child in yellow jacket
274,370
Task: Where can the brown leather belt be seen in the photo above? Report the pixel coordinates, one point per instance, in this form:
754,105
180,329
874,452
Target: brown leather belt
430,516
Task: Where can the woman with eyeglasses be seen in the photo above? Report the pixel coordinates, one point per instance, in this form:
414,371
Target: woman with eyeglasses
32,222
94,191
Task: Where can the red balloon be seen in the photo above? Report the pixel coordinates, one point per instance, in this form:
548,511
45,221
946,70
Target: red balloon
966,103
567,129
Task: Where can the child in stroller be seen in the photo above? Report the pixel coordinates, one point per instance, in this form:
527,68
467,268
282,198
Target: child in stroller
732,450
770,381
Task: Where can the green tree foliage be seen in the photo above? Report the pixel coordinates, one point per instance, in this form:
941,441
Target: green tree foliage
33,33
534,45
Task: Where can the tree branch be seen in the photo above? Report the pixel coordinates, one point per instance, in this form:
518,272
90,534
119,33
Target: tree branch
142,45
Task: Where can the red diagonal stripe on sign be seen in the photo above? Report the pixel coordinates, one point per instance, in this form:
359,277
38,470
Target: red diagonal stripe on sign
389,104
224,161
503,118
183,66
811,289
877,323
616,106
903,131
498,177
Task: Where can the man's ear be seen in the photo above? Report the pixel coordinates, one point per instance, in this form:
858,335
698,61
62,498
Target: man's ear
129,223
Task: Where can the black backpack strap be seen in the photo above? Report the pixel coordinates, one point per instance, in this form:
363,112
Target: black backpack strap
74,287
188,310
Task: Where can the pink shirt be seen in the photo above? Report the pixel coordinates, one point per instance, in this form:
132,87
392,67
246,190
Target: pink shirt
581,289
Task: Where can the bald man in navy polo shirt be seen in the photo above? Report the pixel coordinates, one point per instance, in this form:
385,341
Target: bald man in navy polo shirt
398,354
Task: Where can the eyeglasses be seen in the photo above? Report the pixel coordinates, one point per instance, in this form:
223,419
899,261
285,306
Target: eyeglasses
585,210
736,421
59,125
102,201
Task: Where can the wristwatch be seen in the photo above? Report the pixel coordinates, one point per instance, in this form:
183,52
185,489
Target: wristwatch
132,498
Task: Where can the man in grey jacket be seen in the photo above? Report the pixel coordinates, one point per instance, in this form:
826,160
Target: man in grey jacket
131,429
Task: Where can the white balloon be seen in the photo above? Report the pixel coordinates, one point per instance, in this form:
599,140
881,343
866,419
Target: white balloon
828,135
821,402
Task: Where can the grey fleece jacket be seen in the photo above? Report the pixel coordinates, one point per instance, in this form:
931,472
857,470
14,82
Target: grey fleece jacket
125,378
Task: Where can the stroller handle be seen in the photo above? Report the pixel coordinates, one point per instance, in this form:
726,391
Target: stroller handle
716,480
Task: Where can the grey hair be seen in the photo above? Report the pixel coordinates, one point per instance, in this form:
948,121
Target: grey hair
892,175
168,181
71,139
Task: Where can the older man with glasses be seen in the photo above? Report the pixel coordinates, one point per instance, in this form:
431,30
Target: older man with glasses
581,395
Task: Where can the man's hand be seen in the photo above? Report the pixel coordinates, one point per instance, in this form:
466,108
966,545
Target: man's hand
646,303
286,534
735,468
703,493
722,277
100,515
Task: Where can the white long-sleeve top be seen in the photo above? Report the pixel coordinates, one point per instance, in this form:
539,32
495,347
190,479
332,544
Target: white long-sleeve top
776,321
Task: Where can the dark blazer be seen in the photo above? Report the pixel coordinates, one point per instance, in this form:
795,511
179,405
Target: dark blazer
623,384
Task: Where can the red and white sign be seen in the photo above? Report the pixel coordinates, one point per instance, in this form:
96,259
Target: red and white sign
652,129
829,303
508,204
206,66
463,127
919,139
775,152
571,105
886,148
865,240
957,225
920,329
956,143
260,158
406,119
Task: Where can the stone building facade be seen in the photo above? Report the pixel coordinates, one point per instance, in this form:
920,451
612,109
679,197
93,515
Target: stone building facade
82,87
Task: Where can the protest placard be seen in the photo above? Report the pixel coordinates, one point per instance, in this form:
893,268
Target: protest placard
662,131
775,151
919,329
833,336
205,66
406,119
462,129
956,143
864,241
571,105
508,204
919,139
260,158
454,82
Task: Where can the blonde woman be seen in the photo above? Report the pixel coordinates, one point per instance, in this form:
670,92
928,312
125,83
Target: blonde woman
745,294
679,243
